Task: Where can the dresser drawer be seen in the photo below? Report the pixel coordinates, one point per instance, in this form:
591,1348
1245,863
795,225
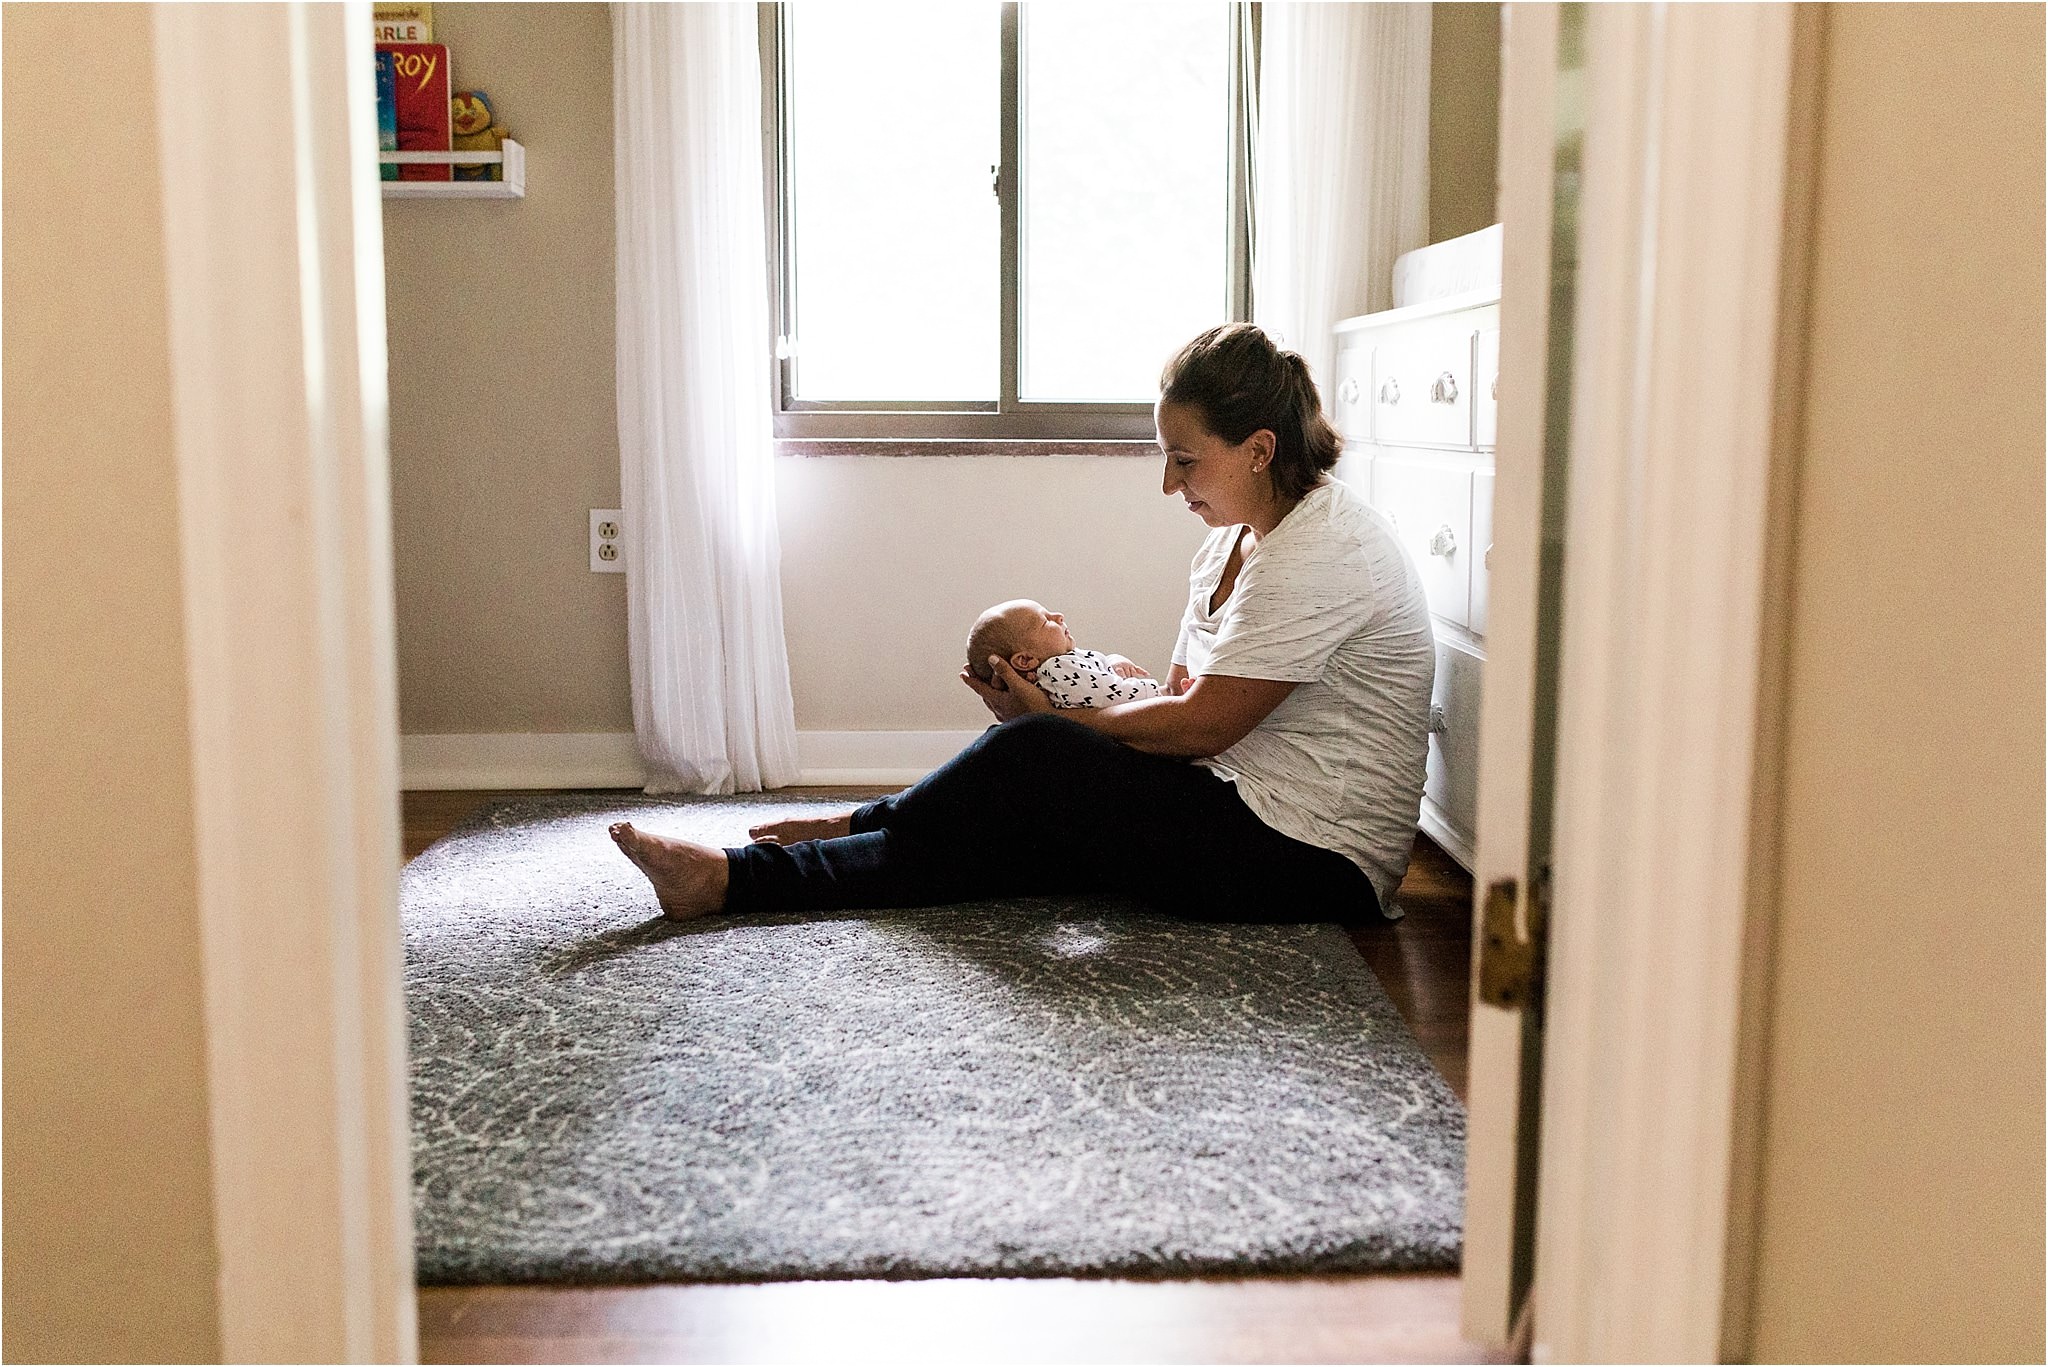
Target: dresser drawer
1486,389
1431,508
1482,549
1452,780
1351,395
1422,385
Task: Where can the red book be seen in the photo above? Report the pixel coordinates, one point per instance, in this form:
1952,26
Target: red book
420,72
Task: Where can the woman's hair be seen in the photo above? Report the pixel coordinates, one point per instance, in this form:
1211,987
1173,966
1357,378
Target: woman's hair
1240,382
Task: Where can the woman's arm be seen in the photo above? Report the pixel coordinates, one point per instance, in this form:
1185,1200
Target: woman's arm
1214,714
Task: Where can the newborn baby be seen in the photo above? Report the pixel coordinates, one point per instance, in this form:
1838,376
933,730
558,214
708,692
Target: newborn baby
1038,646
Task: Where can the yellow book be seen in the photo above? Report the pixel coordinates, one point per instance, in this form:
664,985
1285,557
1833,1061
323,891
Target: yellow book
404,23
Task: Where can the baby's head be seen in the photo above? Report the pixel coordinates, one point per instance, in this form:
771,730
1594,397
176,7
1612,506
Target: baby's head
1021,632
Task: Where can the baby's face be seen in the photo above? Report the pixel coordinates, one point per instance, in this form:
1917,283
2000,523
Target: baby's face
1039,633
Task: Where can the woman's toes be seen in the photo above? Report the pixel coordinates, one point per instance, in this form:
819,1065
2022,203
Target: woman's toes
795,830
689,879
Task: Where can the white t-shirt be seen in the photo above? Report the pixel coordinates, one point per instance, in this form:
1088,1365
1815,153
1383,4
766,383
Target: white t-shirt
1330,601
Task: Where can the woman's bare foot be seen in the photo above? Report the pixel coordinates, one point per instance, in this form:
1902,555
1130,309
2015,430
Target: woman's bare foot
798,829
689,879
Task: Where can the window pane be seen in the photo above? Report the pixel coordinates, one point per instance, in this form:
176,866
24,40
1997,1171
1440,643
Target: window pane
1126,192
894,125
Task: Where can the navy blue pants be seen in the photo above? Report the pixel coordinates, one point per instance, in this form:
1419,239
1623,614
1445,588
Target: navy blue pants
1043,805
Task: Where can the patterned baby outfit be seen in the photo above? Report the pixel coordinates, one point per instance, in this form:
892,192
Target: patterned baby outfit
1085,678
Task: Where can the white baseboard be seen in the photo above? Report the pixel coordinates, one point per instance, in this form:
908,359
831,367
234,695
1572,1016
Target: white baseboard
874,757
611,760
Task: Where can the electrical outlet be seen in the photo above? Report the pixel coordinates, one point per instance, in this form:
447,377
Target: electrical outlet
607,541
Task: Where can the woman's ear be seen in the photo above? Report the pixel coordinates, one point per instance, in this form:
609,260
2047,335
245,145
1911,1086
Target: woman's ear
1263,443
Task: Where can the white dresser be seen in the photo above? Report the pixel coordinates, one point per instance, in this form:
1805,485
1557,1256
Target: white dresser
1416,399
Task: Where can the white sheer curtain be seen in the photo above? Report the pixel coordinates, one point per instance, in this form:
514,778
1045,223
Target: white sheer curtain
1342,184
711,701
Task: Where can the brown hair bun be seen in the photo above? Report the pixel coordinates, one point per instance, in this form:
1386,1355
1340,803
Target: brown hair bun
1240,382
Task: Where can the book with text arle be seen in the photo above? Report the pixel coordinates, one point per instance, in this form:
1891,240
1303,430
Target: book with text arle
404,23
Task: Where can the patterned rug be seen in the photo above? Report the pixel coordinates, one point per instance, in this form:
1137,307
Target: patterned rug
1028,1087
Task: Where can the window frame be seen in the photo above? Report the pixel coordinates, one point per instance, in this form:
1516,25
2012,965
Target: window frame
832,425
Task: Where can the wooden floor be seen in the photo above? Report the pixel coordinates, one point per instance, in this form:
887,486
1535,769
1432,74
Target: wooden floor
1423,961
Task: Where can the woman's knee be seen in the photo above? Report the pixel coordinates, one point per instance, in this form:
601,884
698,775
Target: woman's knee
1037,756
1038,736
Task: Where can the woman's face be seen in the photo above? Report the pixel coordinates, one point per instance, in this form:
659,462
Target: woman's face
1223,483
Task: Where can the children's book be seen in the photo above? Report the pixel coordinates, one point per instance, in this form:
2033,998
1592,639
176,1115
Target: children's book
387,112
404,23
420,73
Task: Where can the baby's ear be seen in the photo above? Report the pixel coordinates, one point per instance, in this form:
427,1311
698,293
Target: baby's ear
1024,662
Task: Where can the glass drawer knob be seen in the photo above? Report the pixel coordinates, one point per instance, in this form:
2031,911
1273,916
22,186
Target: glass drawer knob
1444,542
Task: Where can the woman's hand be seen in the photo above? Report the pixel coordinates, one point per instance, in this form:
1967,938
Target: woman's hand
1010,695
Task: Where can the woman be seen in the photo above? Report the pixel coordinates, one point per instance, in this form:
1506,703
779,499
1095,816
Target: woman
1299,689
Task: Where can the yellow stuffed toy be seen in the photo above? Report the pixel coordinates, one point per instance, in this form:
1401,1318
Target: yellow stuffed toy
474,132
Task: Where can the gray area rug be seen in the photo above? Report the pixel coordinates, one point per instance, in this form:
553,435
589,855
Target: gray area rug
1029,1087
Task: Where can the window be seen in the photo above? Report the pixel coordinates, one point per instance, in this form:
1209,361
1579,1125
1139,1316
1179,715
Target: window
998,221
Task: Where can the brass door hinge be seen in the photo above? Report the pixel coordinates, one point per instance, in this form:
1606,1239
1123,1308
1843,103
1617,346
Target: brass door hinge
1511,955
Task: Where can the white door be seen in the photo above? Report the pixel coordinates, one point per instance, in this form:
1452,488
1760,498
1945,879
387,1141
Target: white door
1541,49
1644,331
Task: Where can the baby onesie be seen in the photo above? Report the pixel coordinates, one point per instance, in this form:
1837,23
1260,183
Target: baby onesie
1085,678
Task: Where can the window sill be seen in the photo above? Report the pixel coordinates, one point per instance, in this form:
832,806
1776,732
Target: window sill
957,446
1071,424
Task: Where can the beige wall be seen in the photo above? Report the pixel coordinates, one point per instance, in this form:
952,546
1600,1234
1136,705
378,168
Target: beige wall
503,435
108,1232
1464,118
504,432
887,562
1901,1215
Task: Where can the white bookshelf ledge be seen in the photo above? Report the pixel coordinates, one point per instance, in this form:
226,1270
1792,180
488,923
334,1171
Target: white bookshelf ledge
513,186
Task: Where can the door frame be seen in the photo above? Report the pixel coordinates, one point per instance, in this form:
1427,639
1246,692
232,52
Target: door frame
1702,120
1687,371
1505,1044
275,287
